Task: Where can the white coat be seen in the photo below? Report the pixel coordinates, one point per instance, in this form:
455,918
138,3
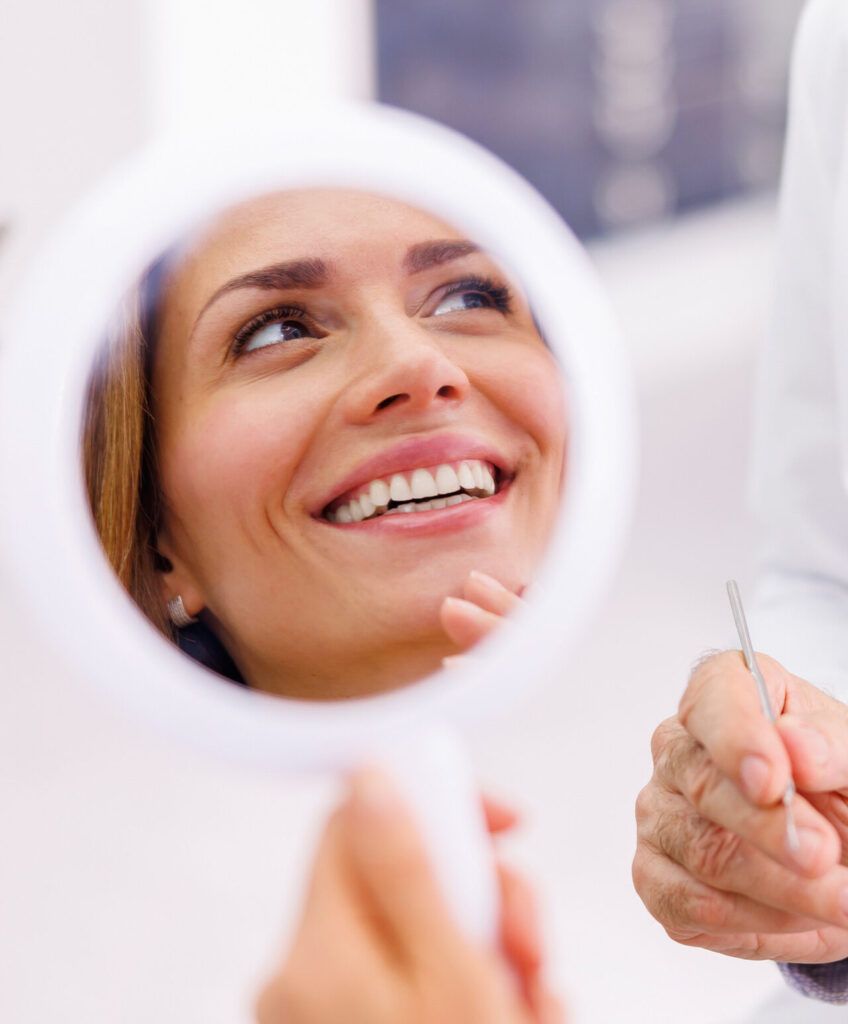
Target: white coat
799,485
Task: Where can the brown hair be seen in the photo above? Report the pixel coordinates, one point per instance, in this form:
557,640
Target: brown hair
119,460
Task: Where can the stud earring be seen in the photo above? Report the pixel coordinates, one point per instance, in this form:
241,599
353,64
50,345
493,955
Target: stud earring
178,614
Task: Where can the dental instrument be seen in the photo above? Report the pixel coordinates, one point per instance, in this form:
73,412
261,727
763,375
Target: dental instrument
751,661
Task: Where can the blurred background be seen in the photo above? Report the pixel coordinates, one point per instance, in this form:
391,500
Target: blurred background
143,882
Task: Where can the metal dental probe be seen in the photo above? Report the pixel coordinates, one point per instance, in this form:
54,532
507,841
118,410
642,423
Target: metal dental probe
751,661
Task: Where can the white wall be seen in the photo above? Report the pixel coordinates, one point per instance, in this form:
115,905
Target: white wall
83,84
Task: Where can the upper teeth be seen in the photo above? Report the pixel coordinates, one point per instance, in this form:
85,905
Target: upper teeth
409,491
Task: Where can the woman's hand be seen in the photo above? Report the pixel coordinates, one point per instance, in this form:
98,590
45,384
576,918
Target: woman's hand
484,603
712,862
377,945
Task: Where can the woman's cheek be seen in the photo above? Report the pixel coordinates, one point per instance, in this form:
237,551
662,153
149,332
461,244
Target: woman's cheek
234,455
533,397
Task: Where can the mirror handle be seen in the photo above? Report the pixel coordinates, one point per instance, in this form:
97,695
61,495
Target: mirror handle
434,775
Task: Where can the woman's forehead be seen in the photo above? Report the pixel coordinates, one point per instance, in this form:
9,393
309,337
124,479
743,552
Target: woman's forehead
317,223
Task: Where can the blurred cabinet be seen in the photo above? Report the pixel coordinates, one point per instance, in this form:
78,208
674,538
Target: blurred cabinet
619,111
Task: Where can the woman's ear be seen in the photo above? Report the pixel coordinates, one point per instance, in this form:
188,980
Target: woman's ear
175,577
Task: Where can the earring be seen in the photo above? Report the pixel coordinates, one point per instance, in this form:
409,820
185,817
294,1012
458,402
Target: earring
178,614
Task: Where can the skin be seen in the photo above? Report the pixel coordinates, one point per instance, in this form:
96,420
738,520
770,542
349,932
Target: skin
376,945
712,862
251,446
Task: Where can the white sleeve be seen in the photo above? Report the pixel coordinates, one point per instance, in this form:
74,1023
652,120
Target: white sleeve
800,613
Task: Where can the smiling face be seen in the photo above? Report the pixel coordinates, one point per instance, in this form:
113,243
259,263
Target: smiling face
353,410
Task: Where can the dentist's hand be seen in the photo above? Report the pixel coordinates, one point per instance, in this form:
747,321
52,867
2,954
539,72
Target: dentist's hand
481,609
376,945
712,862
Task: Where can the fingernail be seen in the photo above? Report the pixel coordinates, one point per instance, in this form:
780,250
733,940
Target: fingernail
809,844
372,793
815,743
486,580
754,772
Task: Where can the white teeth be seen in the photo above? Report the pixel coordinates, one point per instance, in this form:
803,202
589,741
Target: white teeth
420,490
399,489
446,480
380,493
466,477
423,484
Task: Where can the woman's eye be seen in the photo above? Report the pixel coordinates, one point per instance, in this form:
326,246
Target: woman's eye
274,334
458,301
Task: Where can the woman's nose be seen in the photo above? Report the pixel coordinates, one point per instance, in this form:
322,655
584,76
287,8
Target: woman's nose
411,373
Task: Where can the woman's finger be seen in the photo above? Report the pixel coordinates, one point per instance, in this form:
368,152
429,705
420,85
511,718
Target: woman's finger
485,591
500,817
521,933
545,1006
465,622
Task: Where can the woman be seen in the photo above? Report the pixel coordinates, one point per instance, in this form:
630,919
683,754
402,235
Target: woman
334,434
339,441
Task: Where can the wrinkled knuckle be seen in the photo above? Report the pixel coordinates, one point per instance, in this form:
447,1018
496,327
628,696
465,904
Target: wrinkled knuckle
713,852
702,780
669,905
645,804
674,766
711,911
662,735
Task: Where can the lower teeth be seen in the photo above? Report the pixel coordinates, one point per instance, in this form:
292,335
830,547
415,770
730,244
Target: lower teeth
426,506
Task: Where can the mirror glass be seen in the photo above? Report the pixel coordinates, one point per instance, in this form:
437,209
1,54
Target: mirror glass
325,443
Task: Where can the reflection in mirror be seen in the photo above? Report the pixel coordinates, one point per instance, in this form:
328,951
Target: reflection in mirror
325,443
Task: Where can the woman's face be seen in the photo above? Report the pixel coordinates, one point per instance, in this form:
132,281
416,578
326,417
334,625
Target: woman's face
321,357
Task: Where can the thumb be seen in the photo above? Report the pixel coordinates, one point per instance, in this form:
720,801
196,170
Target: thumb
817,744
388,855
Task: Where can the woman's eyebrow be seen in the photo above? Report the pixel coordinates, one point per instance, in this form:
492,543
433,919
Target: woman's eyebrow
302,273
314,273
425,255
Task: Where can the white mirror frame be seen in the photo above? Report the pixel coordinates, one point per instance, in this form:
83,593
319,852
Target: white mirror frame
47,541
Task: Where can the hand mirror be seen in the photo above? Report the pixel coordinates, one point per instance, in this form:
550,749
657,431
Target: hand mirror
303,385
